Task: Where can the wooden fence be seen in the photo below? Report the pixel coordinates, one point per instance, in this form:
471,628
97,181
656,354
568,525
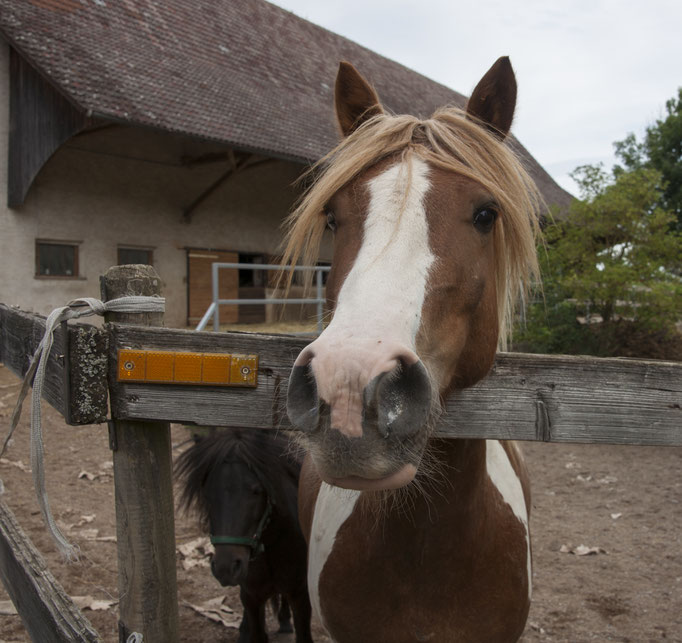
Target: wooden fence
525,397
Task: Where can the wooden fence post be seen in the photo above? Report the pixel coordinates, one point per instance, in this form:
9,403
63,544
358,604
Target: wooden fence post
145,524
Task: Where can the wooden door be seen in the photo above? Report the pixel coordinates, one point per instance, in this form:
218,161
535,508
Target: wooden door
200,289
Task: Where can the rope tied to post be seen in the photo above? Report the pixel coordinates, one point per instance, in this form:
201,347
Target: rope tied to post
82,307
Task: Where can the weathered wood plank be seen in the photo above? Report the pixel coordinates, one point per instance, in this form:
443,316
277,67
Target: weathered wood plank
76,376
526,397
262,407
47,612
143,482
572,399
20,334
86,371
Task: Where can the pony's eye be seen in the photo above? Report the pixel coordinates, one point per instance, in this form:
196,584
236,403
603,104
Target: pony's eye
484,218
331,220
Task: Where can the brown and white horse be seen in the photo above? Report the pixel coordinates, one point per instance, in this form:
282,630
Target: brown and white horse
411,537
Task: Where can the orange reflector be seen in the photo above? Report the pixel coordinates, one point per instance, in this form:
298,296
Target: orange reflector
216,369
160,367
171,367
187,367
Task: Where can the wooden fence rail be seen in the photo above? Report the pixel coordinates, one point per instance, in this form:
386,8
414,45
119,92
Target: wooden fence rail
75,382
47,612
526,397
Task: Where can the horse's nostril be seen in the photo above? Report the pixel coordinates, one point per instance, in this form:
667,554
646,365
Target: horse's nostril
403,400
302,399
236,568
229,570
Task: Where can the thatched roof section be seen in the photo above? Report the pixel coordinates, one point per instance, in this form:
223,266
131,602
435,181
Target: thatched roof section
243,72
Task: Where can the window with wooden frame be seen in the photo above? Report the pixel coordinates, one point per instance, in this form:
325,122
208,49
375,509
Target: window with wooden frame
133,254
58,259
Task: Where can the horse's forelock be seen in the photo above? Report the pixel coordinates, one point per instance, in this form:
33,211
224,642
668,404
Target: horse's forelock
270,457
452,142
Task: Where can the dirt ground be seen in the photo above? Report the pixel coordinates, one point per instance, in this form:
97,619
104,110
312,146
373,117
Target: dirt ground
624,503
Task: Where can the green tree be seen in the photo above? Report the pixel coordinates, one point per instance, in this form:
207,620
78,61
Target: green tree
661,149
612,260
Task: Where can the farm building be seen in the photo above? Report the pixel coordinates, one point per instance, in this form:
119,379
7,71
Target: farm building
169,133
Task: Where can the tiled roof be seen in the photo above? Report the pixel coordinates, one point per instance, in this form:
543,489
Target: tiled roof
244,72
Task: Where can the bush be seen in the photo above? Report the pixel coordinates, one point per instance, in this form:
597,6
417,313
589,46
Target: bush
615,259
558,331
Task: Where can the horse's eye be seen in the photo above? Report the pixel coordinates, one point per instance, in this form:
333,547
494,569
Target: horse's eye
331,220
484,218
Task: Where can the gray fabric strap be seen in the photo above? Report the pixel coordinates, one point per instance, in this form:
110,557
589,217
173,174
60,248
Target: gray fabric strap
82,307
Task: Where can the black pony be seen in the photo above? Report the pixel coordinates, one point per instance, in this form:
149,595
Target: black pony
245,484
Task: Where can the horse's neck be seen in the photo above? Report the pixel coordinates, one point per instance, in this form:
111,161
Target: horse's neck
453,485
460,465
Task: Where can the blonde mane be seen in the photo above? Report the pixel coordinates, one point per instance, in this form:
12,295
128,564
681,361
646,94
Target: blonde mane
451,141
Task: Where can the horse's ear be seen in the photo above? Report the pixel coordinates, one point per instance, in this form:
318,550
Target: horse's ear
493,100
354,98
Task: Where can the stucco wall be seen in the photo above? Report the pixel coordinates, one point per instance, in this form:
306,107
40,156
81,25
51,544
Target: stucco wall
91,193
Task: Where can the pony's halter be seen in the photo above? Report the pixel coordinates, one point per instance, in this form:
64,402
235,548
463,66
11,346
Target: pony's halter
257,547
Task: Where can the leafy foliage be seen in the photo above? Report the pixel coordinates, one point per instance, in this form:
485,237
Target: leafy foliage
661,150
611,268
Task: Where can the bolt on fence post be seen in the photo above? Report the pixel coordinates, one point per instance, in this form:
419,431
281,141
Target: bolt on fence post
145,521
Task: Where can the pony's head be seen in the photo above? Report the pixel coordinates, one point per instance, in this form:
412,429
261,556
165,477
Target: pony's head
238,479
434,225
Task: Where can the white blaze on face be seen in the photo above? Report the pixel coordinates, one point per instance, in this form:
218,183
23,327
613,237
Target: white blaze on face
378,309
386,287
332,508
503,476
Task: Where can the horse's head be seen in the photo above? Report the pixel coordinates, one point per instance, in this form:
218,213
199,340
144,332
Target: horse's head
433,226
239,508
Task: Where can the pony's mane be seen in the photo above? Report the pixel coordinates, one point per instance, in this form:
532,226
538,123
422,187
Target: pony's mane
454,142
271,457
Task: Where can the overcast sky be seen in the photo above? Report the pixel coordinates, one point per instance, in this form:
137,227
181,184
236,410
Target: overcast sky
589,71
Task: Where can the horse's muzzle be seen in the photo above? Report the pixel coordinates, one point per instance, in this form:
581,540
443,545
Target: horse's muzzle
395,403
230,564
362,436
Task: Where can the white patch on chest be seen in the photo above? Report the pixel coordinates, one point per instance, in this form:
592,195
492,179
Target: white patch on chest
332,508
503,476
